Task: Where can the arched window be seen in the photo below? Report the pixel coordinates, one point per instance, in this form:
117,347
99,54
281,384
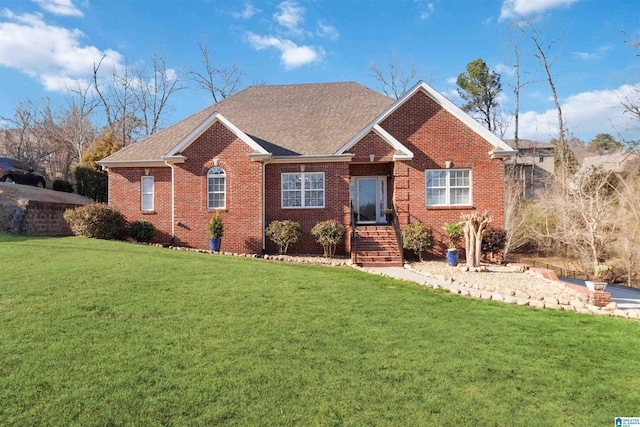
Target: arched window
216,188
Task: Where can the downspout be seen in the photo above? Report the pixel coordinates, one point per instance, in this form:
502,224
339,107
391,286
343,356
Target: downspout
173,202
264,206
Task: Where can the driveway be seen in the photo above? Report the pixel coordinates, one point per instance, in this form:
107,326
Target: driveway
627,298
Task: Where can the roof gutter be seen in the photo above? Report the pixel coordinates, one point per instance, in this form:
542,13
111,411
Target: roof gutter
173,199
313,158
501,154
130,163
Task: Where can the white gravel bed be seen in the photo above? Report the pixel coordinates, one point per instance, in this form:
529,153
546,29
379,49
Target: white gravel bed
505,280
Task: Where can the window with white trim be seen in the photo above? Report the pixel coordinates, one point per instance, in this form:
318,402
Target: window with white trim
303,190
448,187
146,193
216,188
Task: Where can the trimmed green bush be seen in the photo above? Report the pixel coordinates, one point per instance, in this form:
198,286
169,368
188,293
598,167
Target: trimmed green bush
329,234
91,183
98,221
284,233
62,185
142,231
417,237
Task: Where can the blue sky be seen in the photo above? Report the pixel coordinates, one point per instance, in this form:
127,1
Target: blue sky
47,44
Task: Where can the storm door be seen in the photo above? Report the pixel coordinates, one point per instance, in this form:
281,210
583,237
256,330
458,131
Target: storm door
368,196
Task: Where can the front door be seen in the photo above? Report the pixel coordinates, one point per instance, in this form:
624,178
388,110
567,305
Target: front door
369,198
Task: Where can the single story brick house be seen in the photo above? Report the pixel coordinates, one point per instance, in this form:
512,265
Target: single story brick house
308,153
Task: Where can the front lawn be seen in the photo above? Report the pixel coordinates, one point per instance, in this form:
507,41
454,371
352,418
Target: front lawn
96,333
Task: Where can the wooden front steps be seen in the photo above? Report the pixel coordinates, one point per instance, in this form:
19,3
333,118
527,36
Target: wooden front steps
376,246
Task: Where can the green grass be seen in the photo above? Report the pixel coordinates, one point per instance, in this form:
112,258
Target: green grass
100,333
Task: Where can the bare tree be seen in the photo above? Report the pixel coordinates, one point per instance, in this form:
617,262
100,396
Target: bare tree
135,100
394,80
584,215
475,225
514,216
28,134
220,82
564,158
628,220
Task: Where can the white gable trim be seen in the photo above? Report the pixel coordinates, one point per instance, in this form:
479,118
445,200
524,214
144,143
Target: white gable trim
206,124
404,154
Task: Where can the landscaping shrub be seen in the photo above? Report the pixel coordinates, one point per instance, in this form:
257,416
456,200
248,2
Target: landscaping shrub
62,185
329,234
493,241
91,183
98,220
142,231
417,237
284,233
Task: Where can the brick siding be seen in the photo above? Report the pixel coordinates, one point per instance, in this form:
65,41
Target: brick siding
423,126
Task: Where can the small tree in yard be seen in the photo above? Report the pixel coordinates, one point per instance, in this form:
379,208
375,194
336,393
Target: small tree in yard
417,237
475,225
284,233
493,241
329,234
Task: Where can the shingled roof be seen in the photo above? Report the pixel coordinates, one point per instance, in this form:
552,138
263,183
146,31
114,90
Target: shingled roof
306,119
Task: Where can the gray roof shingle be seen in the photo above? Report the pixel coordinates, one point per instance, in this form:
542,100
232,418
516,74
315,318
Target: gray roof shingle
305,119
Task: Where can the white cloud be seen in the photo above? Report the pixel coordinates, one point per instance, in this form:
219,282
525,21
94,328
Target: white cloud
328,31
246,13
54,55
426,9
503,69
513,9
291,16
59,7
292,55
586,114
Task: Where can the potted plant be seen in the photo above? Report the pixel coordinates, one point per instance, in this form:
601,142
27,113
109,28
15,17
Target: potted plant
388,214
600,278
454,232
215,231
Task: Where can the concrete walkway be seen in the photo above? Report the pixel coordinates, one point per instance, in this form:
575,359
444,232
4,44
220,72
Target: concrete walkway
626,298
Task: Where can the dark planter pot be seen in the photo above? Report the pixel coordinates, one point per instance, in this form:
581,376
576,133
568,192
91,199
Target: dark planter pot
452,257
389,218
214,244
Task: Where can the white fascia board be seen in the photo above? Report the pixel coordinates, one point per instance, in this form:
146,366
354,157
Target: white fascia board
310,158
206,124
174,159
386,136
130,164
498,154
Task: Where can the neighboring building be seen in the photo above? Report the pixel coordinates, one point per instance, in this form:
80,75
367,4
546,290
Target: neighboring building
308,153
618,162
533,166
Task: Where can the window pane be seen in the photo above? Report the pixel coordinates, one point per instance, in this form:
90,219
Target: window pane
459,178
436,179
216,188
291,199
460,196
436,196
147,184
314,198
